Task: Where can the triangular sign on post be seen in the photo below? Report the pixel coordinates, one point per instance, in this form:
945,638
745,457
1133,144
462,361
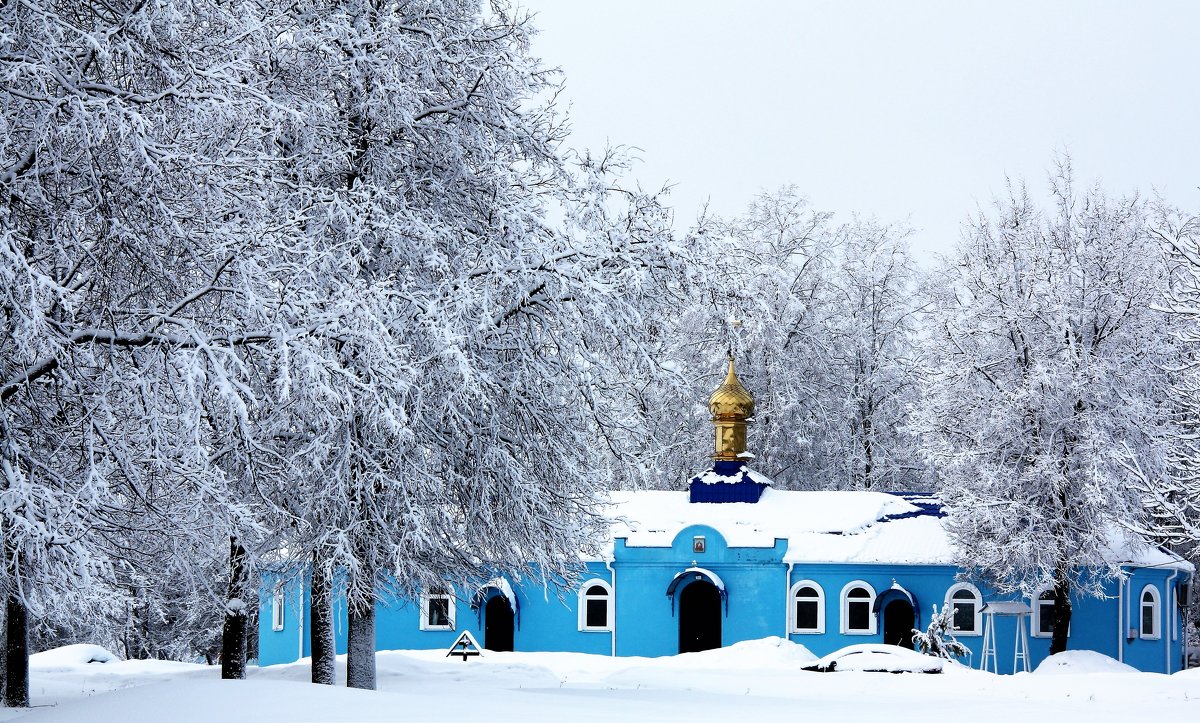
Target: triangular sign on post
464,646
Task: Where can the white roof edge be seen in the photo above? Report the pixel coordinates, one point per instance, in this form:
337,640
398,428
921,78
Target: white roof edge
1177,564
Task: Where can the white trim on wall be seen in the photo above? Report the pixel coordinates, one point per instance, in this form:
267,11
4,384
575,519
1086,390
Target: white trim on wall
584,597
844,609
444,592
277,607
791,611
978,604
1155,603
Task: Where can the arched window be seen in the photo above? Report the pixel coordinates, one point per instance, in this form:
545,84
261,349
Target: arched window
857,618
967,603
1043,614
1149,620
437,608
595,606
277,607
807,608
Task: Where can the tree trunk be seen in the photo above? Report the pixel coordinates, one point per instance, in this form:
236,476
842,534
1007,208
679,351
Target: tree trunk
16,651
233,632
360,647
1062,613
320,620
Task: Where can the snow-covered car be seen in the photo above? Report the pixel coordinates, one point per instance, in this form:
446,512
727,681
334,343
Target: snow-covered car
875,658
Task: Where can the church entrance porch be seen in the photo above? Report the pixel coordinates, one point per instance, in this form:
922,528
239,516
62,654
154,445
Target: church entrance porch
498,625
699,617
898,623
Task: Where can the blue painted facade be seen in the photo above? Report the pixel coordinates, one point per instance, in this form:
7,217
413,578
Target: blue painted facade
758,589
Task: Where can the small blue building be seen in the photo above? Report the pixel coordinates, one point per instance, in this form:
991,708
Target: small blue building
732,559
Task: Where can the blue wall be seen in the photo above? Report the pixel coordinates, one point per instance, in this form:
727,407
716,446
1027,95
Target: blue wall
647,620
758,585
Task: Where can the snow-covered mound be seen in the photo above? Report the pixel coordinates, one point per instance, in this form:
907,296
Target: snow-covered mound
70,656
770,652
875,658
1082,661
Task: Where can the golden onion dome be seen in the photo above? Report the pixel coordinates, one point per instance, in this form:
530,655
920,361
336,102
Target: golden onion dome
731,401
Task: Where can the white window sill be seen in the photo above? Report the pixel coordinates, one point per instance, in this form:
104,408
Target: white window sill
808,632
1149,637
595,630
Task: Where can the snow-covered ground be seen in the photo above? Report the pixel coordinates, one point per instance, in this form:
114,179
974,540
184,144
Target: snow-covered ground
760,680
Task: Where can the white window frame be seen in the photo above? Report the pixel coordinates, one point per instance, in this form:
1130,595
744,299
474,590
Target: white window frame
1173,608
978,623
792,600
1156,603
427,597
845,609
277,607
583,600
1036,619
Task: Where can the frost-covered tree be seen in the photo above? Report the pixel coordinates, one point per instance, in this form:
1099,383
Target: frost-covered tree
1047,387
478,282
1172,500
136,263
938,639
759,289
874,358
821,322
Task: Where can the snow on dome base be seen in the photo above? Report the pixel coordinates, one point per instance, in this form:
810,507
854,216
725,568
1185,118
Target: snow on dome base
731,473
727,481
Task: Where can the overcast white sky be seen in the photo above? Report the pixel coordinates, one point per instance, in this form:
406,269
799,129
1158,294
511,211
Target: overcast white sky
901,110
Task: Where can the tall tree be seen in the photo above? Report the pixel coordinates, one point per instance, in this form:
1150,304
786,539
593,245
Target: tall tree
133,267
1048,385
476,279
1172,500
874,357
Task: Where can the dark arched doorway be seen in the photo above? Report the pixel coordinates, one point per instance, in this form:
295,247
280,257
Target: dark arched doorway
498,624
898,623
699,617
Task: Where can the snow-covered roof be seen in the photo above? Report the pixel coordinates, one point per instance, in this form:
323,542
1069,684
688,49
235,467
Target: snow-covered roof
855,527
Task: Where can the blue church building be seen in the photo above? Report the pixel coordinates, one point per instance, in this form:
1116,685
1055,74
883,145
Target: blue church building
732,559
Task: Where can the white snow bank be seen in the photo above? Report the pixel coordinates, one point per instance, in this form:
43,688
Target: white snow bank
772,652
875,658
70,656
1081,661
747,681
